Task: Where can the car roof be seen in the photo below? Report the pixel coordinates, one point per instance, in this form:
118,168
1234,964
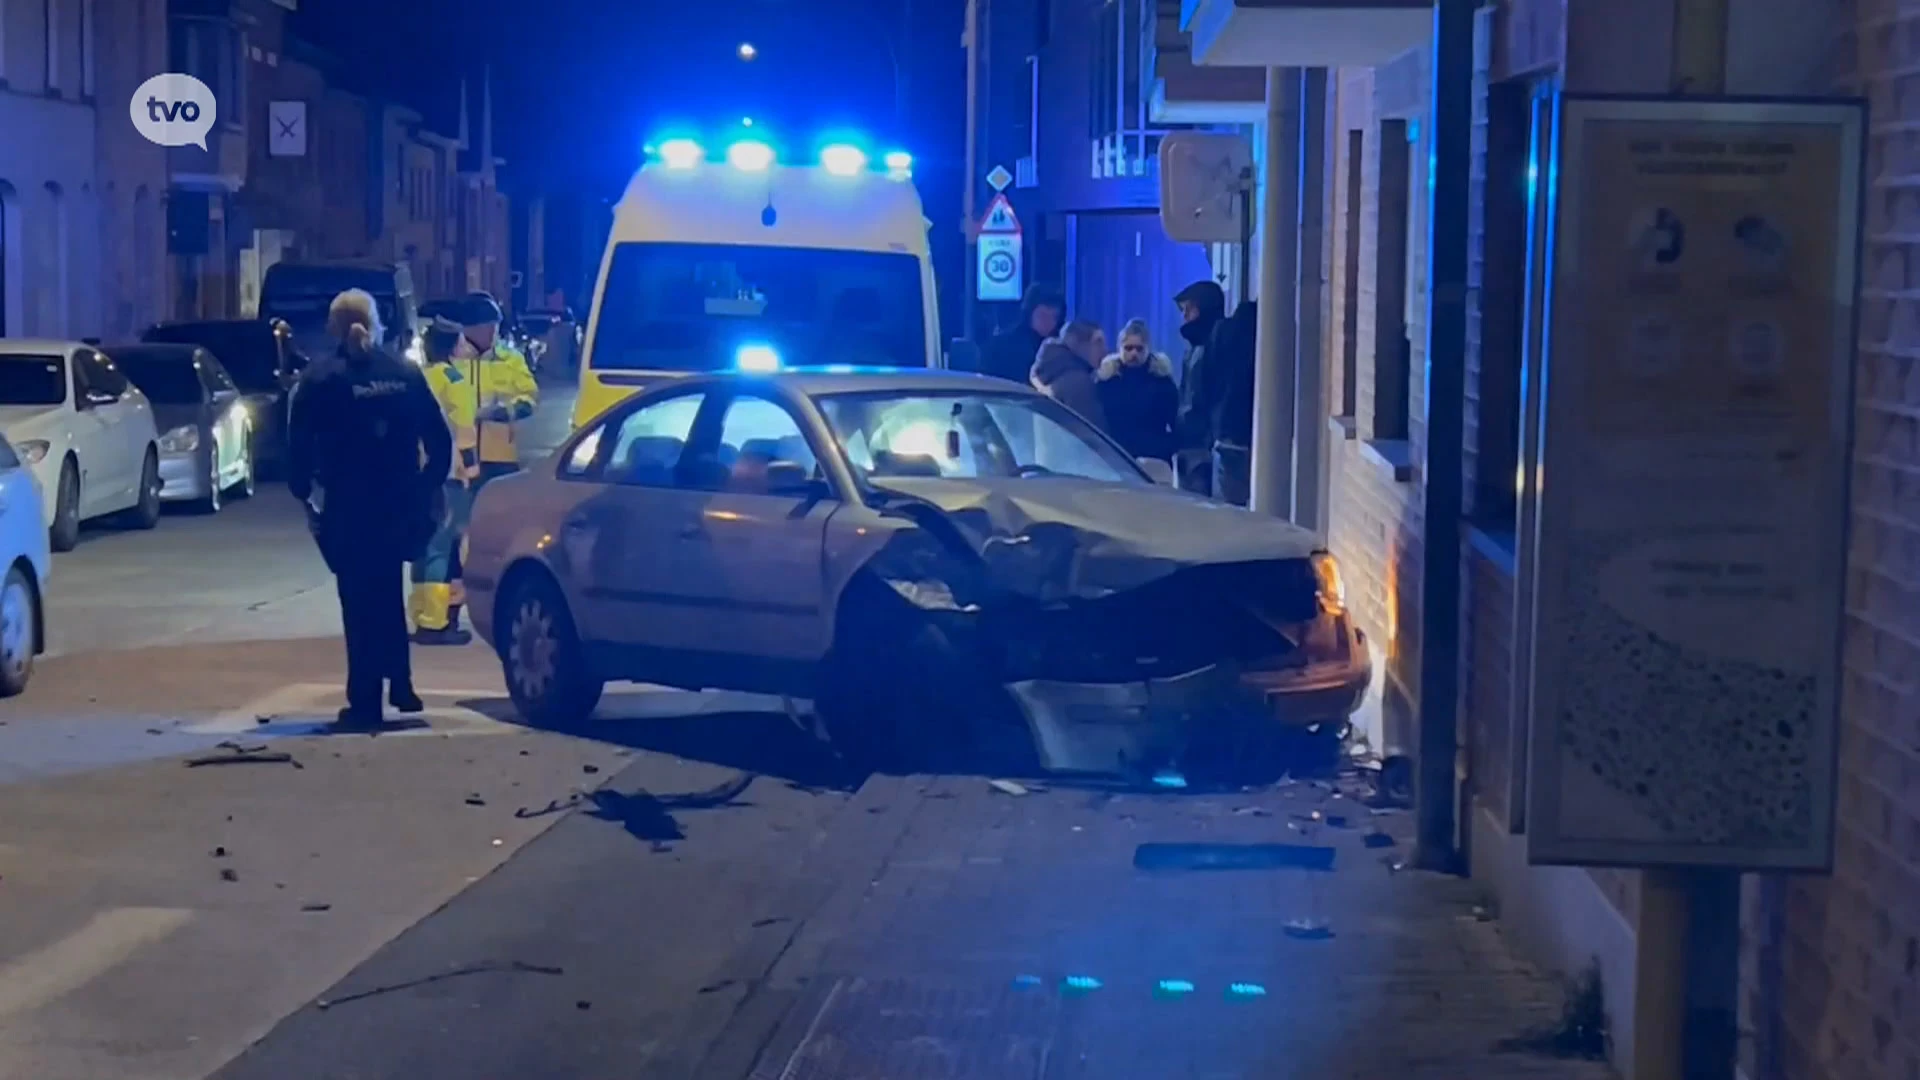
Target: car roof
846,379
38,346
159,350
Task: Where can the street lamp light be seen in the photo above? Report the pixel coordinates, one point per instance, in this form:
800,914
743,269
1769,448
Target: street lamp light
747,51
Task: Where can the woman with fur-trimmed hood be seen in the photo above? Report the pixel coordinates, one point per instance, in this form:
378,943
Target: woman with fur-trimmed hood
1138,395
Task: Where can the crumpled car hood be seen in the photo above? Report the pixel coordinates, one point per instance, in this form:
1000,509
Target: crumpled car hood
1061,538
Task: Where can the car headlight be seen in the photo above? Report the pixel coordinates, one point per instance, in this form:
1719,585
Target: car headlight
1333,588
32,451
181,440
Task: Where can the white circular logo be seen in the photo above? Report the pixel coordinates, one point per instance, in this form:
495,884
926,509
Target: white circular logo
173,110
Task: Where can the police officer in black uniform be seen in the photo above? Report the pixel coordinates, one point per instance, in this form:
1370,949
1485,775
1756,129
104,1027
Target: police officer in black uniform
368,451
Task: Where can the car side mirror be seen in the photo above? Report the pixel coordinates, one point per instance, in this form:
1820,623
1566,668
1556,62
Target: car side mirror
1159,471
792,479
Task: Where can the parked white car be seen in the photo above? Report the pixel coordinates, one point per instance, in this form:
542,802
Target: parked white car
85,431
24,566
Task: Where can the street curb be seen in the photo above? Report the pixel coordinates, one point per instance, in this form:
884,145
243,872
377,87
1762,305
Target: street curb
827,894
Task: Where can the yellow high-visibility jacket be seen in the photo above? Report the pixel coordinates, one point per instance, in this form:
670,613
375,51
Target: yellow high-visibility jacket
452,386
505,383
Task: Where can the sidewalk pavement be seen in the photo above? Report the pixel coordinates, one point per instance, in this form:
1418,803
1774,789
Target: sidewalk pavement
157,918
1011,935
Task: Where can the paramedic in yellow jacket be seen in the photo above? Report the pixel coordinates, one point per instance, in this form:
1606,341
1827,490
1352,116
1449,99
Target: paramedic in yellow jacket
437,596
504,392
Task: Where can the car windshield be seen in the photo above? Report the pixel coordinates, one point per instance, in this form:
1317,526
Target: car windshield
246,349
695,307
970,436
32,380
166,376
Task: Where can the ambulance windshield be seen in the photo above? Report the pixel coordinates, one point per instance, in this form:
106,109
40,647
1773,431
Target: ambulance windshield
695,307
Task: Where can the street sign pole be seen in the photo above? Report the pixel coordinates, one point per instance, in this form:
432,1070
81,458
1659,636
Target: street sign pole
998,252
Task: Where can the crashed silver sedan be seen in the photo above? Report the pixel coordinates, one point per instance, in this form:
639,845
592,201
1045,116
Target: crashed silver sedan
937,560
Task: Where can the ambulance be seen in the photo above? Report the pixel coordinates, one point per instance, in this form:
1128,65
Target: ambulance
734,256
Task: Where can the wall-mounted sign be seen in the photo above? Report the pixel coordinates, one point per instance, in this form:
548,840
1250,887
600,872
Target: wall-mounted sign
1693,475
998,267
998,249
286,128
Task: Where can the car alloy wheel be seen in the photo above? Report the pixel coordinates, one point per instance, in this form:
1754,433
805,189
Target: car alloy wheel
146,513
531,650
247,481
17,637
546,668
215,497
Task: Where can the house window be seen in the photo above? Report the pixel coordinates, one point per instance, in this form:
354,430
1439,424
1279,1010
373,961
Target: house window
86,47
1392,348
1508,289
210,51
1350,278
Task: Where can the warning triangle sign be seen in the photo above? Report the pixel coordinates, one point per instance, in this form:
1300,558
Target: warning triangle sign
999,217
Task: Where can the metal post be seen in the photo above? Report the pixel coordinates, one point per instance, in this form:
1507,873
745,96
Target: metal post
1310,370
1448,209
1272,449
1687,943
970,192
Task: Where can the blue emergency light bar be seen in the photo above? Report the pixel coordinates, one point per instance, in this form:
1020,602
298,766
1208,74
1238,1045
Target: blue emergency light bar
756,358
758,155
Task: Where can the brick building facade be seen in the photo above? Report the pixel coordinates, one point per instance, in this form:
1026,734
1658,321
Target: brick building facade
1831,985
80,192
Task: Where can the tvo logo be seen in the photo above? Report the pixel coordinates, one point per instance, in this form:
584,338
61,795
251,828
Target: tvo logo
173,110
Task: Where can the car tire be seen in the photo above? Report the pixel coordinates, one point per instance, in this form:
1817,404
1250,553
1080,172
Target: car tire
249,480
145,514
64,534
19,623
215,497
545,664
898,694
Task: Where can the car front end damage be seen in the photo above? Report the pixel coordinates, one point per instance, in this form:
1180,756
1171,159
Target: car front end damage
1130,655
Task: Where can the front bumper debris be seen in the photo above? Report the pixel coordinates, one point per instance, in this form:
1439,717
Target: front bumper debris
1134,727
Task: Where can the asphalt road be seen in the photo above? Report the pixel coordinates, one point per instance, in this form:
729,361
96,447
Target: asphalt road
196,881
248,573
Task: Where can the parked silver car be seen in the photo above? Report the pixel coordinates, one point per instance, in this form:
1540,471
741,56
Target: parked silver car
938,560
206,426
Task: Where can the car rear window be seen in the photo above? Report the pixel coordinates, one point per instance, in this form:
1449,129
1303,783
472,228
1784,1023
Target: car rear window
246,349
165,376
32,380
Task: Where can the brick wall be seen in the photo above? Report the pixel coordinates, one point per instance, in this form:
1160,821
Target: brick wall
130,44
1832,966
1374,521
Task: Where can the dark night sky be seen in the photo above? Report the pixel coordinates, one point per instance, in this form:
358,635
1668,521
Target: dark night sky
581,84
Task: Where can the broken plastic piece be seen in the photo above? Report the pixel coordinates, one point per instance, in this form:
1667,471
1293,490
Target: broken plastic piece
1007,787
1232,857
1169,779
